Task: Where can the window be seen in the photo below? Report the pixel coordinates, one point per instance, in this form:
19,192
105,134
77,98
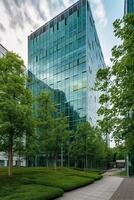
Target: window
75,71
57,26
2,162
62,17
75,63
83,2
65,21
36,58
82,60
78,13
87,5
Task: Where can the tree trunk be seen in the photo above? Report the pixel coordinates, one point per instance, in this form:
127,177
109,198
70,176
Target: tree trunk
35,160
91,166
47,160
61,155
75,164
19,164
86,162
68,163
55,161
10,157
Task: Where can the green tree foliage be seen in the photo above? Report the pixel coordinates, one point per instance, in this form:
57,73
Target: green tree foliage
116,85
87,145
44,117
15,105
51,127
58,137
57,142
119,152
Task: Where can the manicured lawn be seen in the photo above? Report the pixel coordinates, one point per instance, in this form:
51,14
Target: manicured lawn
122,173
42,183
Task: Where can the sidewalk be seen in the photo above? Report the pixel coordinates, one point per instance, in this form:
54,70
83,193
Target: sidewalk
125,190
100,190
112,172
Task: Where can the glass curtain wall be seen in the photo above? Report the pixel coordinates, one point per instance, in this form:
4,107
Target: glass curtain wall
63,56
57,57
129,6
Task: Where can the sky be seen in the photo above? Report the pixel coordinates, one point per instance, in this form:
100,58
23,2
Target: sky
18,18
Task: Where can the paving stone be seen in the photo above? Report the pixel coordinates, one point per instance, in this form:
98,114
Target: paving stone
125,190
100,190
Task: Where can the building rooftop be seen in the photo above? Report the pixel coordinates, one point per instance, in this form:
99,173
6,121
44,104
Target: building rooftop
58,18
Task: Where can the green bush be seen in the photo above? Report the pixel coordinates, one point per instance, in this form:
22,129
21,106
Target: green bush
65,182
33,192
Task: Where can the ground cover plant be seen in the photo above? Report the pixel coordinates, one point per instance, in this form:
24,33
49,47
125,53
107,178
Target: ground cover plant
122,173
42,183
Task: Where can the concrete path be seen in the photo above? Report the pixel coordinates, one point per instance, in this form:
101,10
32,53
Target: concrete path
112,172
125,190
100,190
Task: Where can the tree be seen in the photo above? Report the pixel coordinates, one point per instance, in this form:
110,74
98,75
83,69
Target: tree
116,85
58,137
119,152
32,148
45,119
100,148
15,105
52,127
87,145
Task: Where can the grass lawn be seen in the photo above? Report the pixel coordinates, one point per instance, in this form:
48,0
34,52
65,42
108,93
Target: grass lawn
122,173
42,183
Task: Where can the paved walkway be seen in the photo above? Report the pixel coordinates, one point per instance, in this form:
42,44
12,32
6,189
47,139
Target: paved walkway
112,172
125,190
100,190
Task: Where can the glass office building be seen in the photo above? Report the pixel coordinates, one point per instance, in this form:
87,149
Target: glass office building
129,6
64,56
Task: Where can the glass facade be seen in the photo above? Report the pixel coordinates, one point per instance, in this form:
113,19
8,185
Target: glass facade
63,57
129,6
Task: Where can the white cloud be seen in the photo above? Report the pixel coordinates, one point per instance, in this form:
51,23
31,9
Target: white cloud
99,12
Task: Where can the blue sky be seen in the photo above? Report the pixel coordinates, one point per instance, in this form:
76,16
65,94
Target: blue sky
114,10
19,18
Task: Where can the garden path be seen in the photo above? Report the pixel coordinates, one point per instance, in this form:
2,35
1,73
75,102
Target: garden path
99,190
